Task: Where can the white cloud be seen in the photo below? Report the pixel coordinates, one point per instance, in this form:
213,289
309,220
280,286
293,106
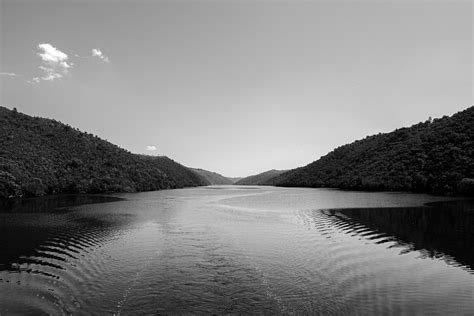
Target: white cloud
9,74
54,63
52,55
34,80
98,53
49,74
151,148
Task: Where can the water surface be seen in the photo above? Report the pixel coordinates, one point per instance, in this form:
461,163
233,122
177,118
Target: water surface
230,249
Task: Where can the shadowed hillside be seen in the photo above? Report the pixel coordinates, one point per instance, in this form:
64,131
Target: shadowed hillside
435,156
41,156
261,178
212,177
235,179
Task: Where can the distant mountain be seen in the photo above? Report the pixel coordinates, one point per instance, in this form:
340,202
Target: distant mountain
212,177
261,178
234,180
436,156
41,156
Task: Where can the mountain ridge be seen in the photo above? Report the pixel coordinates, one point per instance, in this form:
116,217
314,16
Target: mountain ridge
213,178
41,156
260,178
436,156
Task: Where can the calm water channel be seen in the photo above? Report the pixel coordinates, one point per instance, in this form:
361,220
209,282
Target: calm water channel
230,249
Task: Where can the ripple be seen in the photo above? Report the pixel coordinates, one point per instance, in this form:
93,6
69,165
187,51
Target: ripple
56,267
178,253
414,229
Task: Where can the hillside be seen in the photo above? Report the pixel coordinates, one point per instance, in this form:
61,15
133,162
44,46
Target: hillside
261,178
234,180
435,156
212,177
41,156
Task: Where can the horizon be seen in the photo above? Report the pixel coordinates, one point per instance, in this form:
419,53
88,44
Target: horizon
236,88
249,175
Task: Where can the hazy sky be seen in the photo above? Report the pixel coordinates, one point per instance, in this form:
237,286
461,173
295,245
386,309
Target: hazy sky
236,87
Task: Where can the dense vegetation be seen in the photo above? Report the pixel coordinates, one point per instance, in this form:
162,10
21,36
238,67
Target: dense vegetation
261,178
436,156
235,179
213,177
41,156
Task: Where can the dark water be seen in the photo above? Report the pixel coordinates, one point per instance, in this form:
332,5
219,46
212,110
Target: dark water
237,250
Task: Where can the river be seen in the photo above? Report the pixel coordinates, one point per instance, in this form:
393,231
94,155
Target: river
237,249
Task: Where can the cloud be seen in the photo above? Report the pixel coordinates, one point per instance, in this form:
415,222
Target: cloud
151,148
49,74
34,80
54,63
98,53
53,55
9,74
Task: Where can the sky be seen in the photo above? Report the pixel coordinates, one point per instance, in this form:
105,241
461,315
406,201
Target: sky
236,87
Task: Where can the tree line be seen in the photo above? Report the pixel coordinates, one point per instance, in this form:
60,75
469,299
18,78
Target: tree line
436,156
41,156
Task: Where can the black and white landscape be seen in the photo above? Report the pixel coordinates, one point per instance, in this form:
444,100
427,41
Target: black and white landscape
236,157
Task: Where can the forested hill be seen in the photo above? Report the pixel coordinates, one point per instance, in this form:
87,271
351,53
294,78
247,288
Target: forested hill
235,179
261,178
42,156
435,156
212,177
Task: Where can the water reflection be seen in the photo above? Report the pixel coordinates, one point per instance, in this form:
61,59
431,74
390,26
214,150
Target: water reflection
52,203
438,230
44,231
48,247
184,251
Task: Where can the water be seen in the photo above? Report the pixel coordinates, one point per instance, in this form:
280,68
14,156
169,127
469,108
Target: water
225,249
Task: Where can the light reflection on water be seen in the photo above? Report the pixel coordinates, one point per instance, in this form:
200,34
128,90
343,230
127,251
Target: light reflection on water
238,250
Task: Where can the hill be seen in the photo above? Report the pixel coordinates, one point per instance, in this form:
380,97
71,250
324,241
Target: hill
436,156
234,180
261,178
212,177
41,156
